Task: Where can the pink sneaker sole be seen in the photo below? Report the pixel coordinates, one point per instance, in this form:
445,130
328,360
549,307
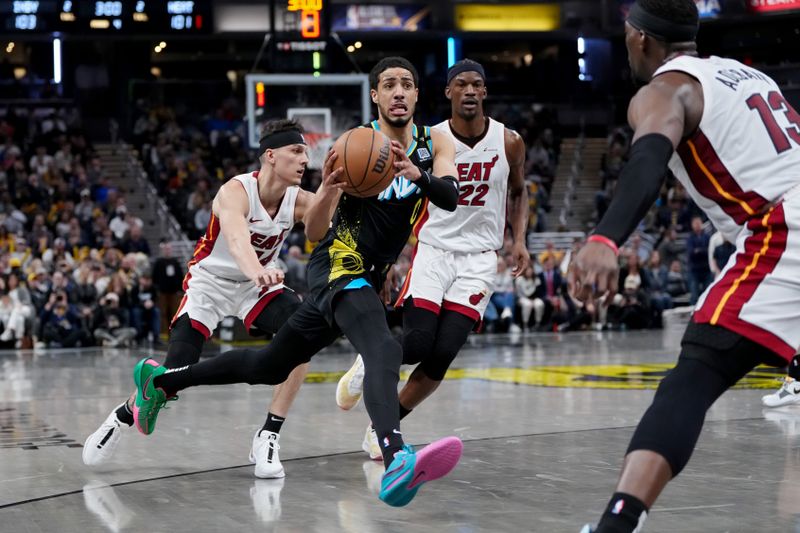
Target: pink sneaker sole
436,460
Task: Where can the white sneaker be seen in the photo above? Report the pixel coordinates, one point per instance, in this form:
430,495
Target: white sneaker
7,335
371,446
788,393
264,453
266,496
100,445
351,386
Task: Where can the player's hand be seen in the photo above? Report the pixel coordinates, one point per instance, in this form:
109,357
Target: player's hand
332,178
269,277
403,167
522,259
594,273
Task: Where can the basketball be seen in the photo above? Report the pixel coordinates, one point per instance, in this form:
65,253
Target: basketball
366,156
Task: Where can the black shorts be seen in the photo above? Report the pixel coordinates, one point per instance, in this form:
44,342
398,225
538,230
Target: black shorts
322,291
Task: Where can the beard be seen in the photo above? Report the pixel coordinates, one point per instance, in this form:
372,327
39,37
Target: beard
468,114
397,122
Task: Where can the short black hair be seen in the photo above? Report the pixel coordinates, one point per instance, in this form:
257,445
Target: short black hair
279,125
682,12
391,62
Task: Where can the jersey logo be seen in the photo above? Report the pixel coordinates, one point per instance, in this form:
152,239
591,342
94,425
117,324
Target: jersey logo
254,220
265,245
423,154
400,187
476,171
475,299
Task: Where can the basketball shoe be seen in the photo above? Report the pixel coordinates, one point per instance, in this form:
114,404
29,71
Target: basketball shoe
100,445
149,399
370,444
788,393
351,386
410,470
264,454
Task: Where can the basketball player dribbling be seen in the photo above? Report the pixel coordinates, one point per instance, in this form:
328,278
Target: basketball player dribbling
727,133
345,273
455,262
233,272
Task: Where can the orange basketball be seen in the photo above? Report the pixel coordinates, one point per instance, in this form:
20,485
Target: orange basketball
368,161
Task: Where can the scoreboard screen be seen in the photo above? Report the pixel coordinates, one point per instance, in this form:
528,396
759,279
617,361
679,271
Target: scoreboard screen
161,17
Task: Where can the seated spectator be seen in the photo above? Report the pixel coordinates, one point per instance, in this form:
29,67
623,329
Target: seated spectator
135,242
550,292
550,252
631,309
61,325
111,322
676,282
295,270
502,300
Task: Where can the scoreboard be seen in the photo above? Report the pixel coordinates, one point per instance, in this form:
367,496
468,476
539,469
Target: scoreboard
106,16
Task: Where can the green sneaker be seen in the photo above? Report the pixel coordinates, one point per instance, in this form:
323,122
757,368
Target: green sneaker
149,399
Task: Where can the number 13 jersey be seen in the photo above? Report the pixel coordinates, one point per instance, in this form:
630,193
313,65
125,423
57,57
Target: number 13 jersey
745,153
478,223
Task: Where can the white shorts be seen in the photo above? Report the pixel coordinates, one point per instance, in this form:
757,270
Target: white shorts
209,299
757,294
461,282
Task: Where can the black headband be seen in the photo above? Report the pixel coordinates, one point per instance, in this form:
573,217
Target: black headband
280,139
661,29
458,68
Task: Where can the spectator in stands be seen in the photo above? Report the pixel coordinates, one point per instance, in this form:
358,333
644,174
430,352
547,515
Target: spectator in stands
550,291
525,289
295,270
168,278
85,208
40,163
631,310
201,218
655,274
699,273
550,252
19,323
719,251
502,299
145,314
135,242
670,249
111,322
676,281
61,325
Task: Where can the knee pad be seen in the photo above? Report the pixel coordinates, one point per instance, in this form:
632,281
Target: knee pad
417,345
276,313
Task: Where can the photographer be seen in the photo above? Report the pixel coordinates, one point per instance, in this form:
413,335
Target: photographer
112,323
61,325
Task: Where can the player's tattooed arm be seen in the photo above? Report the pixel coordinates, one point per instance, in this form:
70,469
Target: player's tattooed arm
517,199
232,207
319,213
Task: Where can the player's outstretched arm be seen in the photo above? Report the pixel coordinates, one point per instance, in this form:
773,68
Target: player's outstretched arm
231,206
658,116
517,200
319,213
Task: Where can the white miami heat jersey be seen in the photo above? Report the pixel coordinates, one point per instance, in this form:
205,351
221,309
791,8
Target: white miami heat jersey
746,152
479,221
266,233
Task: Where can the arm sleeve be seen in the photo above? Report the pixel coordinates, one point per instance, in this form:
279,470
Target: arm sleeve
638,187
443,192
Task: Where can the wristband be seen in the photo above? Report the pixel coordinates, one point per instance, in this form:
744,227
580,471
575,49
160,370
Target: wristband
604,240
